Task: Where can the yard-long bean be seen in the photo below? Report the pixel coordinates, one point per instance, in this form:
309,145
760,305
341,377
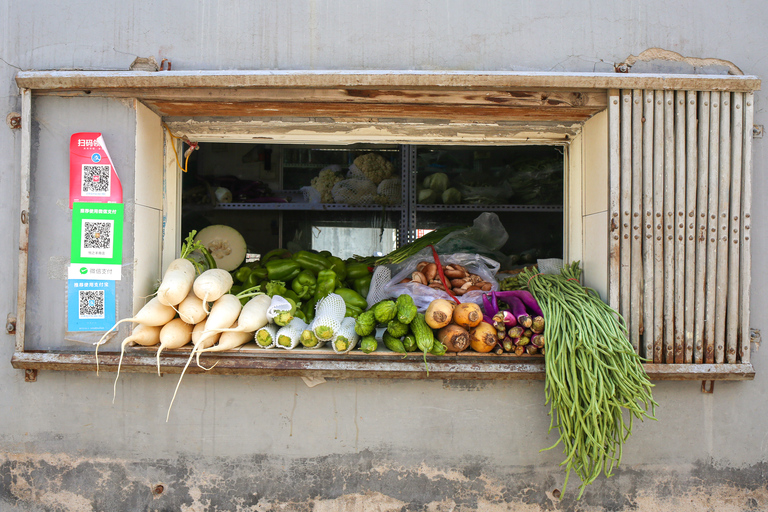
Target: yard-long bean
593,376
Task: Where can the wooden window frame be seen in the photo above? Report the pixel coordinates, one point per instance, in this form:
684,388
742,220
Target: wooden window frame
412,107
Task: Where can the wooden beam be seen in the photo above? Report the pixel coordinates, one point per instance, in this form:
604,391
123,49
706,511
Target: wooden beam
397,79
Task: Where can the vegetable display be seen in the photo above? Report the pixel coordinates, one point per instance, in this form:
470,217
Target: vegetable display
592,375
595,383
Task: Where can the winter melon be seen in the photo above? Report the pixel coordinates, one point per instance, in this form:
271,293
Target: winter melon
226,245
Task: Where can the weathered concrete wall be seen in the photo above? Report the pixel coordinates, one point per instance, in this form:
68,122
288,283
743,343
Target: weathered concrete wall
245,443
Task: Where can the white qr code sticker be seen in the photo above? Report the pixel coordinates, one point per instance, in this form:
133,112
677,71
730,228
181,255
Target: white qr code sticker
96,181
97,238
90,304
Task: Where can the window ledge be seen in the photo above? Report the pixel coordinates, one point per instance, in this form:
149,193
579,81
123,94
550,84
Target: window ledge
324,363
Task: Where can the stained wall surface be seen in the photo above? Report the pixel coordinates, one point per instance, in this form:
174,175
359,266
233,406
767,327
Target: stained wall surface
259,443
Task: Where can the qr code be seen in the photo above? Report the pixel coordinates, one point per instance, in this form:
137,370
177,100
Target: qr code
91,303
96,180
97,238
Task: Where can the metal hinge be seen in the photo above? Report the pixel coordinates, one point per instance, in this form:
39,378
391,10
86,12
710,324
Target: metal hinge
755,338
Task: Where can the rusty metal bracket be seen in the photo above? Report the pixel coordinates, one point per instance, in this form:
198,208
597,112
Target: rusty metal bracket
10,323
30,375
163,63
13,120
711,387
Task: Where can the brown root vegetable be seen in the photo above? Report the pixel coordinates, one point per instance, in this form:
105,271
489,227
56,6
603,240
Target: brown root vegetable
439,313
454,273
483,337
430,271
468,315
454,337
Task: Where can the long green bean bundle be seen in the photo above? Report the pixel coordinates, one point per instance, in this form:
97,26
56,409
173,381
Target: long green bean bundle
592,374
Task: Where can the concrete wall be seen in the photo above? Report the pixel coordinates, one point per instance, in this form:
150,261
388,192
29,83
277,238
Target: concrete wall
246,443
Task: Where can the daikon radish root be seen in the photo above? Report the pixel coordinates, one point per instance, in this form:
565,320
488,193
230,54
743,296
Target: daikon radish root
211,285
253,316
224,313
152,314
174,334
191,309
144,335
230,340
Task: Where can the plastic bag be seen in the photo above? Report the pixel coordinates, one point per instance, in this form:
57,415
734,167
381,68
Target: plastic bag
487,234
385,283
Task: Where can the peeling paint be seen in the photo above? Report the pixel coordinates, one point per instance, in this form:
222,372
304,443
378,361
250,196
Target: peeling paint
364,481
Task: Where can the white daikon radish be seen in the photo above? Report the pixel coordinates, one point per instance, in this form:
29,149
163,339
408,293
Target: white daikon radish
211,285
152,314
174,334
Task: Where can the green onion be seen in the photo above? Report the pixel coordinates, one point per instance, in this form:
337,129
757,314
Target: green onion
403,253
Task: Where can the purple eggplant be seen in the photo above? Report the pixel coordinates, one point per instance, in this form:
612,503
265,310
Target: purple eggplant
515,332
537,340
490,305
537,324
508,344
524,296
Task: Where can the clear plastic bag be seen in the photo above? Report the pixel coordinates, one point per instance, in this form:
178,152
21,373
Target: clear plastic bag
385,283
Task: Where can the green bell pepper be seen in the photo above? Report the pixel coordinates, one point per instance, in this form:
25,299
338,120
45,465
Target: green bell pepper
325,253
326,283
357,270
362,285
275,254
304,284
308,308
241,274
352,298
291,296
253,280
338,266
353,311
282,270
311,261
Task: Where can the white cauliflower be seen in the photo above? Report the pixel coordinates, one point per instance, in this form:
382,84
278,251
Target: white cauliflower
374,167
324,183
354,192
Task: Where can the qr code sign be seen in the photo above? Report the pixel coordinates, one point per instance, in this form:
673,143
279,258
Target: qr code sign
96,180
97,239
91,303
